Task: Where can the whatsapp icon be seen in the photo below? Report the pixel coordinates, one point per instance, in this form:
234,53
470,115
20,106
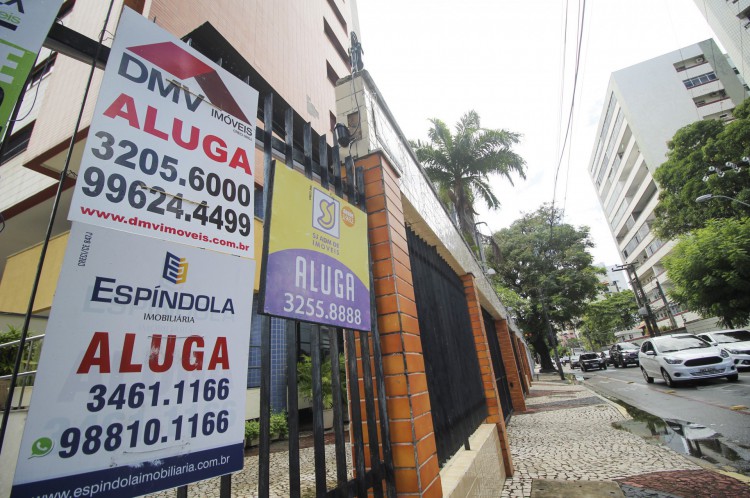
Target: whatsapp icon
41,447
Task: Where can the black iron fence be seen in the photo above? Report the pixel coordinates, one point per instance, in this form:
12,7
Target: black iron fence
501,376
453,376
379,477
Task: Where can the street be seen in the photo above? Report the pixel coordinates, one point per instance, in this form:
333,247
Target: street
723,407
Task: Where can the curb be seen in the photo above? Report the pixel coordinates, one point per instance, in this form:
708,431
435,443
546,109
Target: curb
701,463
614,405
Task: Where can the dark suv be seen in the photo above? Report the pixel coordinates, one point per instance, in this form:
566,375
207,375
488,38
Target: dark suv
624,354
590,361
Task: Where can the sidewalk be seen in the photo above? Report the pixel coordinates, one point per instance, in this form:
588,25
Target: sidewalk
565,445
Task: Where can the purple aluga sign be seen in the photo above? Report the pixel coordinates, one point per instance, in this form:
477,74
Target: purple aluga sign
312,286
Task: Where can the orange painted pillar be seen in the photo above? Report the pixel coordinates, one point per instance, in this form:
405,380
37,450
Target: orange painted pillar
494,410
515,383
524,360
525,368
415,459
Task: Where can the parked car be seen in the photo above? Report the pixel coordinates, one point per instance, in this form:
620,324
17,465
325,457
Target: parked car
575,360
736,342
590,361
680,357
565,360
624,354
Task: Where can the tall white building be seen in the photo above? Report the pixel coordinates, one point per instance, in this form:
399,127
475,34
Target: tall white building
644,106
730,22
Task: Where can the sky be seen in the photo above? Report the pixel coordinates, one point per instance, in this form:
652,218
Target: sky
504,59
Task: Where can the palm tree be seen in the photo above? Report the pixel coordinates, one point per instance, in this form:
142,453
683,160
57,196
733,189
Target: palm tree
460,165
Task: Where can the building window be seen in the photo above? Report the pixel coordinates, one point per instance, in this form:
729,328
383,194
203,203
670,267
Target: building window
258,207
17,143
699,80
336,44
42,70
338,14
332,76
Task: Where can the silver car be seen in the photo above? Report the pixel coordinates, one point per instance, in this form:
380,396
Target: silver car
736,342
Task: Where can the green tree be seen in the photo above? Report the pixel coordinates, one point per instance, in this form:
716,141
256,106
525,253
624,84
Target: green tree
693,149
8,355
710,271
547,268
460,165
617,311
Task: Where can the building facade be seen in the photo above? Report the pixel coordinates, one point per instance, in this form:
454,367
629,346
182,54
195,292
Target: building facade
730,22
645,105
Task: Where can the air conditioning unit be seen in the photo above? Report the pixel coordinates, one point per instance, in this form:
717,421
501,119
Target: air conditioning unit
698,60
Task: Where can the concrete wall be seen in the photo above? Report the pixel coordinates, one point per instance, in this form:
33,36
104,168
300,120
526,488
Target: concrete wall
477,472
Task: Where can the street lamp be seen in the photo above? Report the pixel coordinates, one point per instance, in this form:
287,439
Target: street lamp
706,197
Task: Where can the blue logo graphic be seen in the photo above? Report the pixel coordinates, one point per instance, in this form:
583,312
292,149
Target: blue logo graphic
175,269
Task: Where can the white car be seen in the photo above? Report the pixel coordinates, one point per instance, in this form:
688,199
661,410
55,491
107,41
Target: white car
683,357
736,342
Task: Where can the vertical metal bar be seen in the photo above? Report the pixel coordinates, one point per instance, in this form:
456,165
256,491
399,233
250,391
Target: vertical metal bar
372,430
48,233
264,452
336,166
349,167
267,145
359,175
385,430
317,388
323,159
338,418
225,489
182,492
289,137
292,332
356,420
307,144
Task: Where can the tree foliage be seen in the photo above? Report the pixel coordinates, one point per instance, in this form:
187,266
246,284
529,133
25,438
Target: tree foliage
710,271
693,149
460,165
617,311
545,267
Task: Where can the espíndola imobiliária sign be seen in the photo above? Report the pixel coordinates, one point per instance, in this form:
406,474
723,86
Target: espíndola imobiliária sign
142,378
315,254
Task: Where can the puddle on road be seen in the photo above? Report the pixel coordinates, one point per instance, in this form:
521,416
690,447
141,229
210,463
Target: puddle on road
687,438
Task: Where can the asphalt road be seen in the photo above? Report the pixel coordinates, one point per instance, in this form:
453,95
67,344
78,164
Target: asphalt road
707,402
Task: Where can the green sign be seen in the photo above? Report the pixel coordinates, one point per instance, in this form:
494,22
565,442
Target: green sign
23,28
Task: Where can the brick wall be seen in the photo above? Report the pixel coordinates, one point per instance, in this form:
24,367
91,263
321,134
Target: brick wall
411,430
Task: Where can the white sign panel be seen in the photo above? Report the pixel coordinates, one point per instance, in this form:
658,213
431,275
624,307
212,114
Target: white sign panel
142,379
170,150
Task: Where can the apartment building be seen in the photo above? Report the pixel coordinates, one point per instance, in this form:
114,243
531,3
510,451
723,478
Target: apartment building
645,105
730,22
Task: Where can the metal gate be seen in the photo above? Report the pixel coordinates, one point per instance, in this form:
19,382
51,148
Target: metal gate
379,478
451,364
501,377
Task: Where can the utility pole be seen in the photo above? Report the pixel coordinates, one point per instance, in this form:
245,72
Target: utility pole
641,298
666,305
